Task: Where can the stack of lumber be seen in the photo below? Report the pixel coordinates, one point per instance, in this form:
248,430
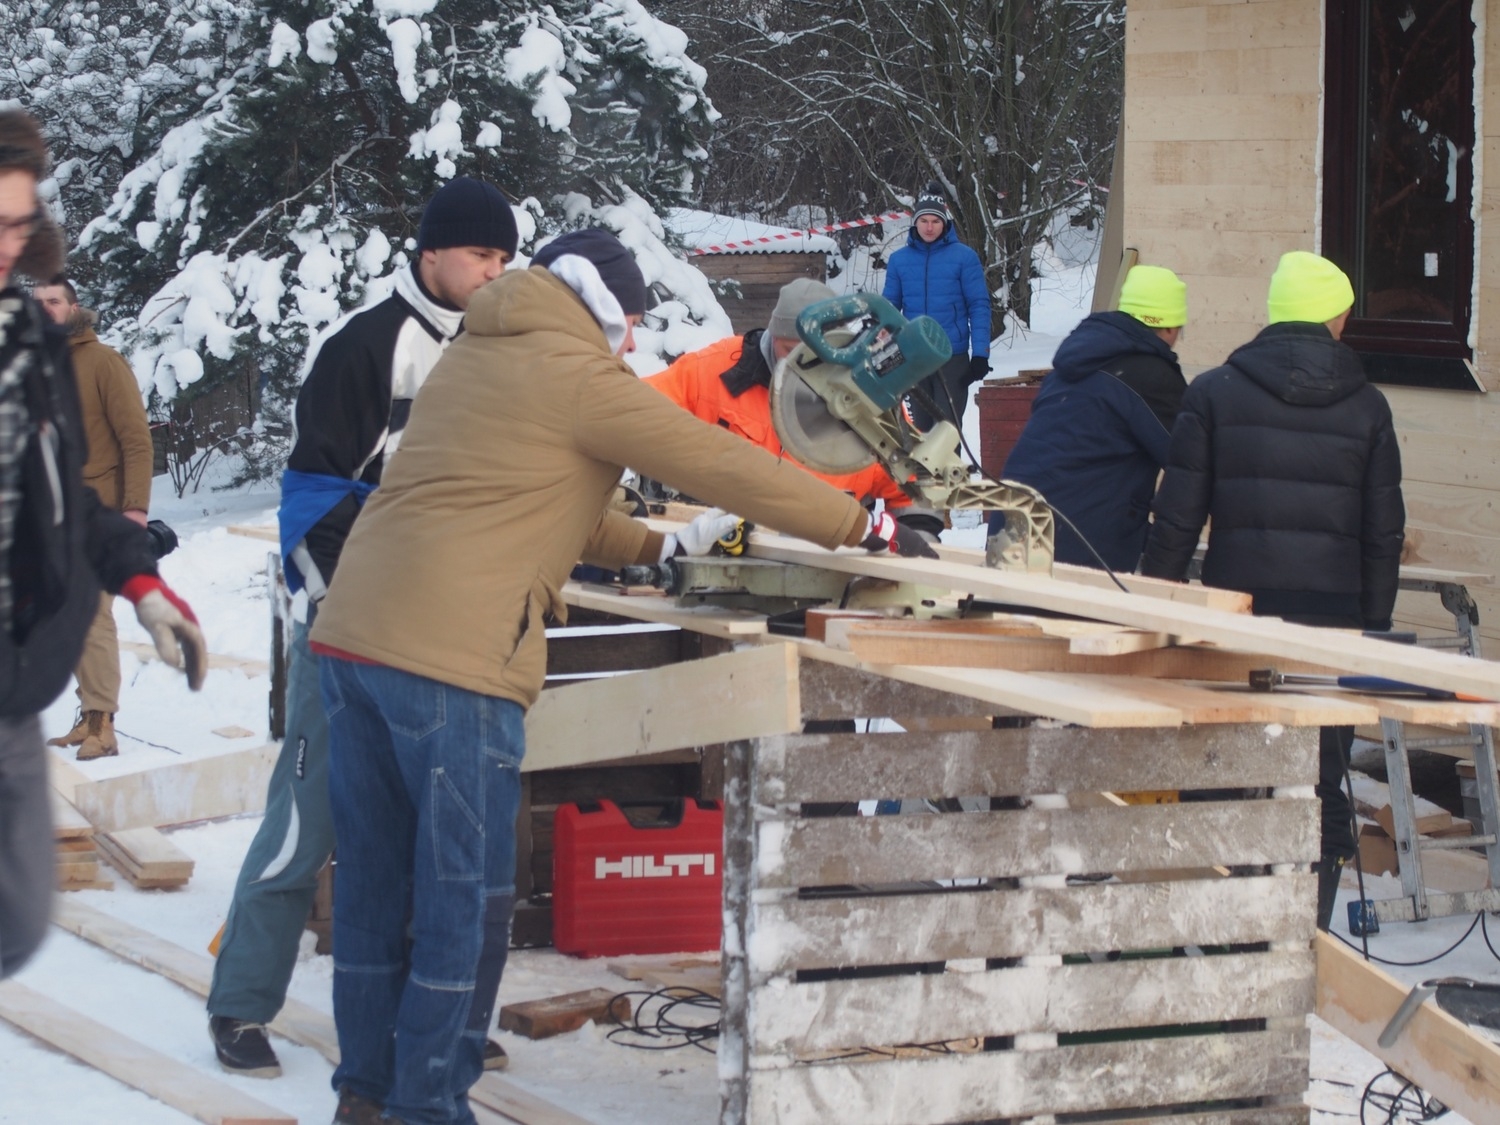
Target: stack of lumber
146,858
77,857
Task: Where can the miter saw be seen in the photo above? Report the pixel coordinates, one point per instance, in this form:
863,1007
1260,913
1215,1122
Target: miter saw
836,403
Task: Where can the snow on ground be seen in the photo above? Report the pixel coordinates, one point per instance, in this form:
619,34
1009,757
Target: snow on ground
222,576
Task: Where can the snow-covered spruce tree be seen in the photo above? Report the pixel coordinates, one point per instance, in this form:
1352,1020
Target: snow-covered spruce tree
294,194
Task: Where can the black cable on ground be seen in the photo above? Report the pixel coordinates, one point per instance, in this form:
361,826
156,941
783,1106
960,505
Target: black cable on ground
1408,1103
1413,964
657,1021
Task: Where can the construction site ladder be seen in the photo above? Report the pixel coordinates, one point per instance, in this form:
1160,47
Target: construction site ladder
1416,904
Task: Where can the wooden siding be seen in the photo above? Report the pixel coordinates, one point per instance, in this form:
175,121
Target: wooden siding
1222,138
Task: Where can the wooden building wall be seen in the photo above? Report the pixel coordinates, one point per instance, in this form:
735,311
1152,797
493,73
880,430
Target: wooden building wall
1222,148
760,278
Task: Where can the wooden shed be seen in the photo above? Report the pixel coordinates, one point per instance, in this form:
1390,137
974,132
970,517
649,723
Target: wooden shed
1365,130
757,258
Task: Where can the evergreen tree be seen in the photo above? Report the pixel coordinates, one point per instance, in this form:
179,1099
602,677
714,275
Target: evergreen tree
292,146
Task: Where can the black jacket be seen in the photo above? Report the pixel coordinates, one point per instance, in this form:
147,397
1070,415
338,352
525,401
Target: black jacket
1098,435
59,558
1293,455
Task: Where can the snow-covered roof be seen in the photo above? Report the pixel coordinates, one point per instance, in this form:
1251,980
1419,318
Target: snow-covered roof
721,234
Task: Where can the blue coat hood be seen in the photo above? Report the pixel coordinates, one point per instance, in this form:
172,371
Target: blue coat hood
1103,337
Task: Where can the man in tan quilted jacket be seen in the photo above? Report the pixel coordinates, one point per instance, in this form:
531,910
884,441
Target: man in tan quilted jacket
119,470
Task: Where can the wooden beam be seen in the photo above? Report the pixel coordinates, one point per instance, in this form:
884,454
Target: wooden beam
697,703
140,1067
244,664
715,621
1453,1062
299,1022
197,789
1343,650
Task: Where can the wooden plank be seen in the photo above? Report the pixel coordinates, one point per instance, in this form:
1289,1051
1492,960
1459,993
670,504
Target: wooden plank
152,852
259,531
729,623
832,689
904,929
1230,601
296,1021
557,1015
250,667
1031,760
1269,636
67,822
718,699
198,789
1014,1084
830,851
1016,692
1238,704
932,1008
1454,1063
141,1067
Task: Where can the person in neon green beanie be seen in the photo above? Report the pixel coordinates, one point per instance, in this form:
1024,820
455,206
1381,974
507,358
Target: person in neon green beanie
1101,425
1293,454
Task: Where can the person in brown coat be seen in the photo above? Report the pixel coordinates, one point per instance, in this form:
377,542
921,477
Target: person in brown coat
433,638
119,470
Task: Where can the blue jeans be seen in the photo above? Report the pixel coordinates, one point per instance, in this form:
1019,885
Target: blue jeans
424,781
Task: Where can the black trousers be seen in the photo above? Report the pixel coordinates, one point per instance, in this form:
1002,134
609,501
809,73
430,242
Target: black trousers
26,846
948,387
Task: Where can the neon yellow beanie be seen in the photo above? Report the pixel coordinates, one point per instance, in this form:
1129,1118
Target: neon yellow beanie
1308,288
1155,296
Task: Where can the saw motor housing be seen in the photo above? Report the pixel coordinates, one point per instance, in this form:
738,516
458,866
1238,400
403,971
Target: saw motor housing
836,404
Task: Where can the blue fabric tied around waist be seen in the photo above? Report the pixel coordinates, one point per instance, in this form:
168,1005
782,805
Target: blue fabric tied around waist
305,499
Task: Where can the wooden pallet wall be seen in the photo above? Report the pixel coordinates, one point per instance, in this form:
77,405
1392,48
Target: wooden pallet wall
1222,141
940,967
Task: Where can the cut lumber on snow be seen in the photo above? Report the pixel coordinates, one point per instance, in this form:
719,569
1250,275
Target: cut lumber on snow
245,664
558,1015
256,531
299,1022
67,822
196,789
695,703
146,858
1344,650
1454,1063
141,1067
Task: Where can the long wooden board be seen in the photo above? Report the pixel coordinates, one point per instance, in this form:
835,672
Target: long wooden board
829,851
1454,1063
297,1021
738,695
198,789
141,1067
714,621
944,1088
1270,636
1030,760
793,933
941,1007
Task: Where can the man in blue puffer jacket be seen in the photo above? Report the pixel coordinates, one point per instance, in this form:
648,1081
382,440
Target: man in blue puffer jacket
1100,427
937,275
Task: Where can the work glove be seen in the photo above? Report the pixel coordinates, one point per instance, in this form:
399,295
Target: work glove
979,368
701,533
886,534
173,628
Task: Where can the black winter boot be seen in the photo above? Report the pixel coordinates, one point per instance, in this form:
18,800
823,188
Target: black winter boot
243,1047
356,1109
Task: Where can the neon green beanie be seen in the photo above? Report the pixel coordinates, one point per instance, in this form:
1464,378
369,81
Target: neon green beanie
1155,296
1308,288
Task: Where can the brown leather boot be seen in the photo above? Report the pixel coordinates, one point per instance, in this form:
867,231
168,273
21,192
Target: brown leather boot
100,741
75,736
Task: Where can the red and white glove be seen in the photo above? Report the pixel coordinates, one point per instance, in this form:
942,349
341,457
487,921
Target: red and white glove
887,534
173,628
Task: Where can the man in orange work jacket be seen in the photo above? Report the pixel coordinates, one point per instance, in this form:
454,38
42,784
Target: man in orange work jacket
728,384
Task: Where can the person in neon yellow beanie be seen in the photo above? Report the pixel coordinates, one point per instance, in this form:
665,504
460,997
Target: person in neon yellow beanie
1293,454
1101,424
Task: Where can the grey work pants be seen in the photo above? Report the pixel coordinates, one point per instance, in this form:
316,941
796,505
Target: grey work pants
26,847
279,877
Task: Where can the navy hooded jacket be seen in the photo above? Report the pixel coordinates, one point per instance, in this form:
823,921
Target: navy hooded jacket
1098,435
1294,456
942,279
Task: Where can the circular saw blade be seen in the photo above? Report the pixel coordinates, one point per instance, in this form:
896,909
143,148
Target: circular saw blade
807,430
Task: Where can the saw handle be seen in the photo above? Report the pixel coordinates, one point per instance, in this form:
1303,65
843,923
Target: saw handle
888,354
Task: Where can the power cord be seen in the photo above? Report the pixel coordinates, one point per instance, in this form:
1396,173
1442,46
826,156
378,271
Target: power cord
662,1028
975,462
1413,964
1408,1103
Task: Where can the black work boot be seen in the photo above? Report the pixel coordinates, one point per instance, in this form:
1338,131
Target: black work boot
243,1047
495,1057
356,1109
